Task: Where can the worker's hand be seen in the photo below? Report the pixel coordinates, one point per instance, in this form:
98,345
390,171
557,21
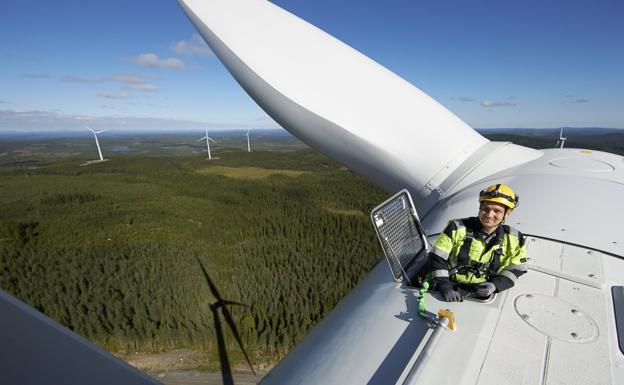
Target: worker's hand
452,296
484,289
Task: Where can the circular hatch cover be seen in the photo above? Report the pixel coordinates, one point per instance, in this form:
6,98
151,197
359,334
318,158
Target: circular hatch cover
556,318
582,164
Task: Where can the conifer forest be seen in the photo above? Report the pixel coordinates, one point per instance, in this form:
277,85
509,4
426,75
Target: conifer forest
112,250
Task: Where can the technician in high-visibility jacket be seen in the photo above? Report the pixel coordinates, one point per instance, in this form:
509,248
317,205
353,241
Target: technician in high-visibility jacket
482,254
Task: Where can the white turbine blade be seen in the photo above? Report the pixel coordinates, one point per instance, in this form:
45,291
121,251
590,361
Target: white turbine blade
87,127
97,132
336,99
200,139
212,140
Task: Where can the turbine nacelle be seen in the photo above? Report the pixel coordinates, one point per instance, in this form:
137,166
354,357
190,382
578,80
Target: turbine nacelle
205,137
96,132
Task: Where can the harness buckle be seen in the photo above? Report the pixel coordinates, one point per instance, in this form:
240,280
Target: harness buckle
478,269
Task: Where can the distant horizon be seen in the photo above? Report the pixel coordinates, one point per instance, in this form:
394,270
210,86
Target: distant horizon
259,131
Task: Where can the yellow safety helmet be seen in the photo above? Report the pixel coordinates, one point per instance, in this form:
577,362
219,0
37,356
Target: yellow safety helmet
499,193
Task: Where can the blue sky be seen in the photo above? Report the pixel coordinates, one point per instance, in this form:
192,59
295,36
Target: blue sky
139,64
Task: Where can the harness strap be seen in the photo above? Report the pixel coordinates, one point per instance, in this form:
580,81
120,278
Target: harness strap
495,261
421,295
467,265
463,258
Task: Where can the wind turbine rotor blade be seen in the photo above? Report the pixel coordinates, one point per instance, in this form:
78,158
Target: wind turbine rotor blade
85,126
213,288
212,140
230,321
317,87
200,139
226,371
97,132
237,304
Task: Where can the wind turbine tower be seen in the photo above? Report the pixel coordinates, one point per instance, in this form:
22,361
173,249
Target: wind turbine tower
97,143
208,139
248,147
561,138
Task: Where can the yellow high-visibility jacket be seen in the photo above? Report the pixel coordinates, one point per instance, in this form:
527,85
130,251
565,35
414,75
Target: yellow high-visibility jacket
464,253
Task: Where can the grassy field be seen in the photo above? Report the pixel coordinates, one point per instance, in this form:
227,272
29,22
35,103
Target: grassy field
248,172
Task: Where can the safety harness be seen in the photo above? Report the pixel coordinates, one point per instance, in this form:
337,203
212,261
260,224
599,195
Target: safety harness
466,265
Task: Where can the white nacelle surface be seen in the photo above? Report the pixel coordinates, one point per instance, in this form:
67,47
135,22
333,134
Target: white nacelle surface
580,203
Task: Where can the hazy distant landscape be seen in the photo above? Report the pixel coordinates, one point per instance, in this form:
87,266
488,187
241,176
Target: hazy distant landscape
40,147
111,249
602,139
29,148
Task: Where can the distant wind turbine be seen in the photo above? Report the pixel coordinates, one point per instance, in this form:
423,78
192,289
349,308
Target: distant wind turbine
97,143
561,139
248,146
208,139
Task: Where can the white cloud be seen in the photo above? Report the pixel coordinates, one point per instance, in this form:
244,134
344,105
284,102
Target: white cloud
39,121
489,104
575,99
133,83
466,99
144,87
195,45
80,79
152,60
112,95
127,79
10,114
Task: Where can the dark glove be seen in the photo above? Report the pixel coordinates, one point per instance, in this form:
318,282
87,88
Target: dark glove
484,289
452,296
